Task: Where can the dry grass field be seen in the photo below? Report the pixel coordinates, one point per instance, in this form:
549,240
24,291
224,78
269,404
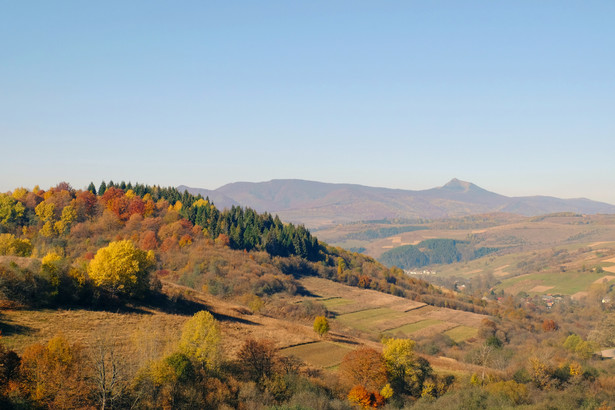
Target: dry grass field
148,328
323,354
144,334
375,314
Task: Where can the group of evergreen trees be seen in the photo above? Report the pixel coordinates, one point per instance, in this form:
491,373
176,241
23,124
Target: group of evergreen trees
433,251
244,227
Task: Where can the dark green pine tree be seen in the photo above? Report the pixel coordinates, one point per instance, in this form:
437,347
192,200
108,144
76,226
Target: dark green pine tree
102,188
92,188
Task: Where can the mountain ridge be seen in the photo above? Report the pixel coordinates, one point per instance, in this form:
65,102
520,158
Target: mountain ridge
318,204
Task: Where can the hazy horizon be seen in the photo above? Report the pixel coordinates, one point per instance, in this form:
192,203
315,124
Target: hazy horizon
517,98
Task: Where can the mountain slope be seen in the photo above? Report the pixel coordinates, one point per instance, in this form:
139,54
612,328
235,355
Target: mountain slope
317,204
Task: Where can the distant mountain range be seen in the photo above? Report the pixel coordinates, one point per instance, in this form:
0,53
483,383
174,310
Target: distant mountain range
318,204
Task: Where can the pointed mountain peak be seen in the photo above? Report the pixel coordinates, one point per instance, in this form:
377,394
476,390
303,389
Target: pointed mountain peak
459,185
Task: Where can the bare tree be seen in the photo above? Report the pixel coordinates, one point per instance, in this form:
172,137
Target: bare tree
108,376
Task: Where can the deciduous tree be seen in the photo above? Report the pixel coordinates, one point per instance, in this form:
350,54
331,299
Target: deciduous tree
10,210
364,366
200,339
321,325
120,267
257,359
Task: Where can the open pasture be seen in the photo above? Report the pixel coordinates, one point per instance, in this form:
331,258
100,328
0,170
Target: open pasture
324,354
564,283
375,313
461,333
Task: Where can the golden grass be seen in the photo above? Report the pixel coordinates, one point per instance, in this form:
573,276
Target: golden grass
322,354
541,288
26,327
461,333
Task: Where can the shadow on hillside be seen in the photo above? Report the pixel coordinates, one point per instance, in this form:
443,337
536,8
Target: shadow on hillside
226,318
301,291
187,307
342,339
9,329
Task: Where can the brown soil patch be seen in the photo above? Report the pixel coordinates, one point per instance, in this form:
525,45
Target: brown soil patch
579,295
541,288
591,245
500,271
607,277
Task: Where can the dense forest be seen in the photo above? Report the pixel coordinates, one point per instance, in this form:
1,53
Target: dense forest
432,252
119,248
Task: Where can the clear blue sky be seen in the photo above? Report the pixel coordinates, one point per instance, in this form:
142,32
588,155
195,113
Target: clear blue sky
515,96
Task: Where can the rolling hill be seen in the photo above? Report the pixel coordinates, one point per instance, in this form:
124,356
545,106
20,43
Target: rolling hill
318,204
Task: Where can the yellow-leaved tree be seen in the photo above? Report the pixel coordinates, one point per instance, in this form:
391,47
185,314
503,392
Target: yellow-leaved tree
407,372
122,268
200,339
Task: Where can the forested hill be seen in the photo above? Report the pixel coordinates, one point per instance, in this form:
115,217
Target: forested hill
234,252
316,204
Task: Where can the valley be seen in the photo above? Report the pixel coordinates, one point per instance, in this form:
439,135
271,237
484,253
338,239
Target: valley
192,304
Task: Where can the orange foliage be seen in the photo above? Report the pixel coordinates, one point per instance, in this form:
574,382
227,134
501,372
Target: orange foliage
359,396
136,206
364,281
85,205
148,240
53,374
169,244
185,240
364,366
223,240
549,325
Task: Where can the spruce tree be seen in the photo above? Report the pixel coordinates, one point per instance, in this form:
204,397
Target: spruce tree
92,188
102,188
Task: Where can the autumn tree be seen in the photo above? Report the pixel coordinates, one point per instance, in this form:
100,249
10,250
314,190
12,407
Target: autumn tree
257,359
10,245
321,325
549,325
200,339
407,372
9,368
11,211
365,367
53,374
122,268
359,396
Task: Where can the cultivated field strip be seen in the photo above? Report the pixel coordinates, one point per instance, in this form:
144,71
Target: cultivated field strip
377,313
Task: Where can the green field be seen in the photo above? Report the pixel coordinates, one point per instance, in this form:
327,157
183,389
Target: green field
332,303
369,319
461,333
410,328
566,283
323,354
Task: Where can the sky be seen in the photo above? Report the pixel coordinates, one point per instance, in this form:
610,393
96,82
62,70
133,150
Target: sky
517,97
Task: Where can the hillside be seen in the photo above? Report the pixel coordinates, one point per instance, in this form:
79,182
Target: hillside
134,296
318,204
